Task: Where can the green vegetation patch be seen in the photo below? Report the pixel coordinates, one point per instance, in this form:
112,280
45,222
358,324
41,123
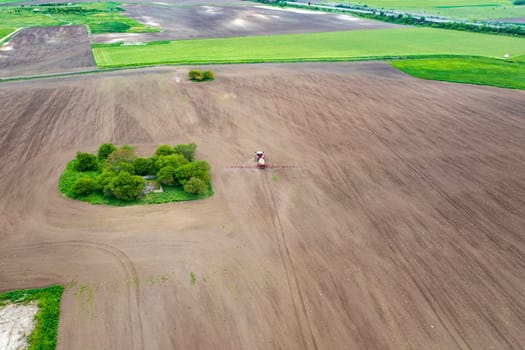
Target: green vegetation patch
333,46
471,70
100,17
5,32
117,177
44,336
459,9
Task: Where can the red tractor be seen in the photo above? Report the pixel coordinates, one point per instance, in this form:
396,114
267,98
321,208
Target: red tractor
259,158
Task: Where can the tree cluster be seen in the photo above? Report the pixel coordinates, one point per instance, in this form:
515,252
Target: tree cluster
197,75
120,170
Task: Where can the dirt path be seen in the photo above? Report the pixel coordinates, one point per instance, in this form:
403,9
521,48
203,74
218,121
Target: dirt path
402,227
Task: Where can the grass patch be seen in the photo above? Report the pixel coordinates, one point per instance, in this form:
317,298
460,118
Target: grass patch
5,31
333,46
459,9
170,194
100,17
472,70
44,336
193,278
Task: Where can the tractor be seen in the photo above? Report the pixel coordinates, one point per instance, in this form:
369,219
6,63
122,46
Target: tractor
259,158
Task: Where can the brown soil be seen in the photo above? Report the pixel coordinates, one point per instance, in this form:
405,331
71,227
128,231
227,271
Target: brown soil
46,50
512,20
403,228
226,21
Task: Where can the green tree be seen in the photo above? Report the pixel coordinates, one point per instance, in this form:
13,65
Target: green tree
144,166
208,75
122,154
126,186
164,150
104,181
83,186
187,150
105,150
166,175
173,160
198,168
195,185
195,75
86,162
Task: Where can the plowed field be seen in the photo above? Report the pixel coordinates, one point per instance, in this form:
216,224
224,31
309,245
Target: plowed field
402,227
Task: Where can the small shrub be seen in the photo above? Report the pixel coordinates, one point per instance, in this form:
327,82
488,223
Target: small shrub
208,75
187,150
195,75
173,160
86,162
198,168
104,181
144,166
125,166
126,186
164,150
166,176
83,186
105,150
195,185
123,154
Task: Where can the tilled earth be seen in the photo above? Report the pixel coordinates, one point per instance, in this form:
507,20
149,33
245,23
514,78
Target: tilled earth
401,227
46,50
187,22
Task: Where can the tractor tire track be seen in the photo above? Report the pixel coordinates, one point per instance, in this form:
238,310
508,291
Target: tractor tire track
289,267
355,196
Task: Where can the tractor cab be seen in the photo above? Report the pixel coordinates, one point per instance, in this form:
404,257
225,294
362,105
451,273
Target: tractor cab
259,158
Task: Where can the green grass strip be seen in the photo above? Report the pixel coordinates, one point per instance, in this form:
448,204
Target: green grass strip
5,31
44,336
479,70
311,47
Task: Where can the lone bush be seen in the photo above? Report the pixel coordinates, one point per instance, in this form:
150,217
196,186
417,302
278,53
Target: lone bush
187,150
105,150
86,162
166,175
195,185
83,186
208,75
126,186
195,75
164,150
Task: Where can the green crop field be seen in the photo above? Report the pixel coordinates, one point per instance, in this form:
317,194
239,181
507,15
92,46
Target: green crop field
473,70
464,9
5,31
348,45
99,17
